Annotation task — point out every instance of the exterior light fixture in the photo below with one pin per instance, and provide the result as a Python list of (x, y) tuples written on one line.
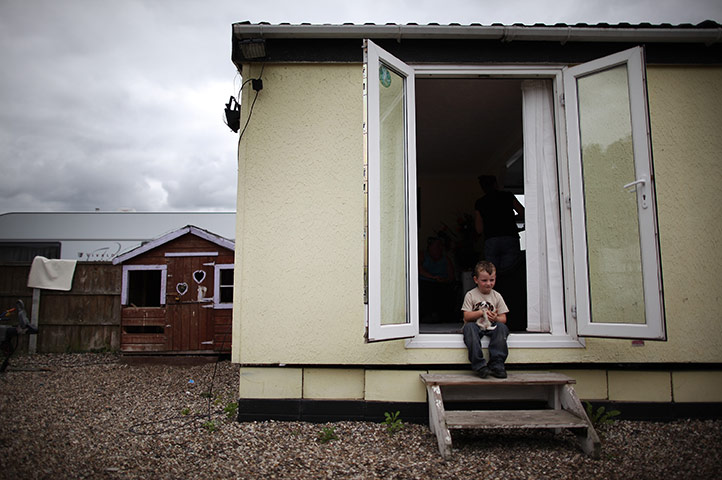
[(253, 47)]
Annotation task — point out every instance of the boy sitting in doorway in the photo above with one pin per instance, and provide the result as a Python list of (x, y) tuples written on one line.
[(484, 313)]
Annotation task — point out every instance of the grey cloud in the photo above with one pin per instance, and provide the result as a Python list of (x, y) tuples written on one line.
[(119, 104)]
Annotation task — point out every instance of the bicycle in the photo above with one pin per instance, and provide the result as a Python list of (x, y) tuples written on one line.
[(10, 335)]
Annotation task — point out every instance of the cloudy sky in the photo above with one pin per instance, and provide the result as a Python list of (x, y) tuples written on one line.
[(118, 104)]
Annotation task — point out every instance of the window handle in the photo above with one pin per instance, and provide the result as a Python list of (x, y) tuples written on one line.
[(643, 182)]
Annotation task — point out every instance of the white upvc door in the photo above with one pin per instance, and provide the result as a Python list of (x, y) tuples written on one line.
[(617, 273), (614, 223), (392, 310)]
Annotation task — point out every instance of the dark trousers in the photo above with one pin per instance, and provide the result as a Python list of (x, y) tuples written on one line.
[(498, 350)]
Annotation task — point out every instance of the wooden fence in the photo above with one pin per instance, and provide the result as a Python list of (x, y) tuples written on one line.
[(85, 318)]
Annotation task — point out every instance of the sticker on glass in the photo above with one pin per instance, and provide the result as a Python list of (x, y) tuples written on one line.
[(384, 76)]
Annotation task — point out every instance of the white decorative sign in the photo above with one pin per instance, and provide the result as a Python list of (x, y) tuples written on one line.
[(199, 276)]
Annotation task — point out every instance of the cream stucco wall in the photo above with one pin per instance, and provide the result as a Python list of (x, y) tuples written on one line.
[(299, 241)]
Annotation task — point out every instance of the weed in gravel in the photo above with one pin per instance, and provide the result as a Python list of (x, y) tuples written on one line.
[(210, 425), (600, 416), (393, 422), (231, 410), (327, 434), (186, 411)]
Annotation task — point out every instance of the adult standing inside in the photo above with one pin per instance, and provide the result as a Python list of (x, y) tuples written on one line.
[(496, 215)]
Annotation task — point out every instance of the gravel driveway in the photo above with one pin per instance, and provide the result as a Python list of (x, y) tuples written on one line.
[(93, 416)]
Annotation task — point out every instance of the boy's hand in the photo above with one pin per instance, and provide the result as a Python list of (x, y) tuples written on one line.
[(491, 315)]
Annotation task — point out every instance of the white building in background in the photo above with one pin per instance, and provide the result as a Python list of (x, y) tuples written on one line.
[(96, 236)]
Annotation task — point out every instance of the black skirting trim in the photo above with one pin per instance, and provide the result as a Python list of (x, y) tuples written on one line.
[(659, 366), (320, 411)]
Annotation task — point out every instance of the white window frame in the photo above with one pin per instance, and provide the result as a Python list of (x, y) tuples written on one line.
[(163, 281), (563, 332), (376, 331), (217, 286)]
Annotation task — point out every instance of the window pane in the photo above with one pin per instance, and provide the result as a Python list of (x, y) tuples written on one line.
[(394, 282), (226, 276), (226, 295), (144, 288), (613, 241)]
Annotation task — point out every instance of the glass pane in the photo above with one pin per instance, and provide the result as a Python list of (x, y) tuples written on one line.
[(226, 295), (226, 276), (613, 241), (394, 287), (144, 288)]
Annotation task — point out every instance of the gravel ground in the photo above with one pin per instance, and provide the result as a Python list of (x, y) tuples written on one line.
[(92, 416)]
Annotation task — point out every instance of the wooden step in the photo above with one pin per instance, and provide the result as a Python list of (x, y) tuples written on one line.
[(545, 378), (484, 419), (564, 410)]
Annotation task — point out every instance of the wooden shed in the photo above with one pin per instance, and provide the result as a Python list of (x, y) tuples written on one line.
[(177, 294)]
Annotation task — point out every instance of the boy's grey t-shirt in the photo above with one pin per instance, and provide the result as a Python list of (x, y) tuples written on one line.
[(474, 301)]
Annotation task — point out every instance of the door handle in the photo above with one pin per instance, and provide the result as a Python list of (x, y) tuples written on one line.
[(643, 182)]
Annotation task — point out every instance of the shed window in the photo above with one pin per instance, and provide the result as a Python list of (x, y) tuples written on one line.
[(223, 296), (144, 286)]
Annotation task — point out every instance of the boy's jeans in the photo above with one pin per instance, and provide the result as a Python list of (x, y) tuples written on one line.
[(498, 350)]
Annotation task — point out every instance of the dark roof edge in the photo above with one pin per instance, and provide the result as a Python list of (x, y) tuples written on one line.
[(707, 32)]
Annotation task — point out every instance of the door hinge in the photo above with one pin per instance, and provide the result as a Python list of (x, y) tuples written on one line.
[(574, 311), (568, 202), (561, 99)]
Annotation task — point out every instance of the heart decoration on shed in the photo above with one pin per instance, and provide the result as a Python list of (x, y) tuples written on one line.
[(181, 288), (199, 276)]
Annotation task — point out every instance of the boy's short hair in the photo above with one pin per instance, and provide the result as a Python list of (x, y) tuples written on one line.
[(484, 266)]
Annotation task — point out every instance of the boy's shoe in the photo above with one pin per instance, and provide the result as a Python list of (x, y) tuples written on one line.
[(483, 372), (498, 371)]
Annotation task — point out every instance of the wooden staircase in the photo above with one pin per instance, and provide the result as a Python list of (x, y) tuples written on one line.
[(563, 410)]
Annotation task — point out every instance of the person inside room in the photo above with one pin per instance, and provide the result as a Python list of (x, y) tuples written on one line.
[(496, 217), (436, 284)]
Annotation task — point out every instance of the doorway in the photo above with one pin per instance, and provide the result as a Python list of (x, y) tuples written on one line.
[(466, 127)]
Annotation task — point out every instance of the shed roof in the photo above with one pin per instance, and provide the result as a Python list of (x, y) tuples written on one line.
[(193, 230)]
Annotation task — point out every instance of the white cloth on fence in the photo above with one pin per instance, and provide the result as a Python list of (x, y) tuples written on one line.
[(51, 274)]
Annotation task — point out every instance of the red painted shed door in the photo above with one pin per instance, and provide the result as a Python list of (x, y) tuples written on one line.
[(189, 304)]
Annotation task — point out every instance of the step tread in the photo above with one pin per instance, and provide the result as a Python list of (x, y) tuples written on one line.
[(512, 379), (513, 419)]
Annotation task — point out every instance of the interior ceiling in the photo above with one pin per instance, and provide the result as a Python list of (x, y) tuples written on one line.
[(470, 126)]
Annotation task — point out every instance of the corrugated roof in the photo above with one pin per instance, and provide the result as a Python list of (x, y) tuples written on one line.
[(707, 32), (704, 24)]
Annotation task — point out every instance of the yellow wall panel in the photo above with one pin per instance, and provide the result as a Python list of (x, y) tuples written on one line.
[(697, 386), (395, 386), (591, 384), (270, 383), (640, 386), (332, 383)]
